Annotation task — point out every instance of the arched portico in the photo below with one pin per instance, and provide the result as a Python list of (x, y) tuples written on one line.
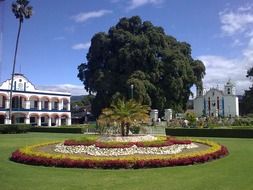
[(19, 117), (2, 118), (45, 103), (19, 102), (65, 104), (45, 120), (4, 101), (55, 120), (34, 119), (65, 119), (34, 103), (55, 103)]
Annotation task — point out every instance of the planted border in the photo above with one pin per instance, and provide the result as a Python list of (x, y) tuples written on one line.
[(31, 155), (167, 141), (228, 133)]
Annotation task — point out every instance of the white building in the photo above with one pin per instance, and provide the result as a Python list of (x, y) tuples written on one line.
[(216, 102), (33, 106)]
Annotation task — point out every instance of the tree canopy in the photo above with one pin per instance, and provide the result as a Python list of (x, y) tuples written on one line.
[(137, 53), (247, 100)]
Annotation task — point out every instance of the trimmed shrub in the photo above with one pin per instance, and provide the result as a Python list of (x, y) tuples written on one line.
[(58, 129), (230, 133), (15, 128), (135, 129)]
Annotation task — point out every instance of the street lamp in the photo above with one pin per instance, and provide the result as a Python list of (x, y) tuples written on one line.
[(132, 92)]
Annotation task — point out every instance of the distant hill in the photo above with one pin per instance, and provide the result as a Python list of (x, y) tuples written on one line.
[(76, 98)]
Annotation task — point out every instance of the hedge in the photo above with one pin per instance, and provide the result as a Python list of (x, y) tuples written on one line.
[(230, 133), (14, 128), (58, 129)]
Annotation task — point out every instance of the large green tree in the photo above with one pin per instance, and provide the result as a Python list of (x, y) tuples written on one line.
[(247, 100), (137, 53)]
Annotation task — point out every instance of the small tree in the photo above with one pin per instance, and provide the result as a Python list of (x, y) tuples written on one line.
[(191, 117), (125, 113)]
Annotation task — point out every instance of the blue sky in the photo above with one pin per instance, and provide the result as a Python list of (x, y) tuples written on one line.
[(57, 37)]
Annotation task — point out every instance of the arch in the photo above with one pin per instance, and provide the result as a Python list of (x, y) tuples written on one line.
[(2, 119), (44, 118), (34, 114), (64, 99), (19, 102), (3, 98), (65, 103), (3, 94), (64, 118), (44, 102), (20, 95), (64, 115), (18, 117), (55, 98), (32, 97), (3, 113), (34, 119), (54, 119), (55, 103), (34, 102), (44, 98)]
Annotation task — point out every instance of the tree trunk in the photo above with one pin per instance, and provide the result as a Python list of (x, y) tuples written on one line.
[(127, 129), (13, 68), (122, 129)]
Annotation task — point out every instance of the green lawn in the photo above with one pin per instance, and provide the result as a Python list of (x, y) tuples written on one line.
[(233, 172)]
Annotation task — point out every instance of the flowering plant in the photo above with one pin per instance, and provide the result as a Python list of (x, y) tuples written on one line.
[(35, 156)]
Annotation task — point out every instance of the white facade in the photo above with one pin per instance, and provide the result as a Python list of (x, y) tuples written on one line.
[(32, 106), (215, 102)]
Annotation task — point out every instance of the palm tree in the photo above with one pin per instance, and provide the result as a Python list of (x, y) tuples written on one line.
[(125, 114), (21, 11)]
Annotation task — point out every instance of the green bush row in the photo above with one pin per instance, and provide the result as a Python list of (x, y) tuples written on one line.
[(58, 129), (14, 128), (243, 122), (230, 133)]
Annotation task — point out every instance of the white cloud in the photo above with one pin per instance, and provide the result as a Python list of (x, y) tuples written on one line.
[(248, 54), (238, 21), (238, 25), (73, 89), (82, 17), (59, 38), (220, 69), (81, 46), (133, 4)]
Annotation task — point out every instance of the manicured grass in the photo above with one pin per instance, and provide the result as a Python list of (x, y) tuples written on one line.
[(232, 172)]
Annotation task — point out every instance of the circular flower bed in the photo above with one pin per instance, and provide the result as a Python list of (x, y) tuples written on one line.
[(97, 153)]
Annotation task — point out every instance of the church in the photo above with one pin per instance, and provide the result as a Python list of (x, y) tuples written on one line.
[(215, 102), (33, 106)]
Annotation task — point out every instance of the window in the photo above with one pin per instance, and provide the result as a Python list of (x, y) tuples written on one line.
[(218, 102), (229, 91), (35, 104), (32, 120)]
